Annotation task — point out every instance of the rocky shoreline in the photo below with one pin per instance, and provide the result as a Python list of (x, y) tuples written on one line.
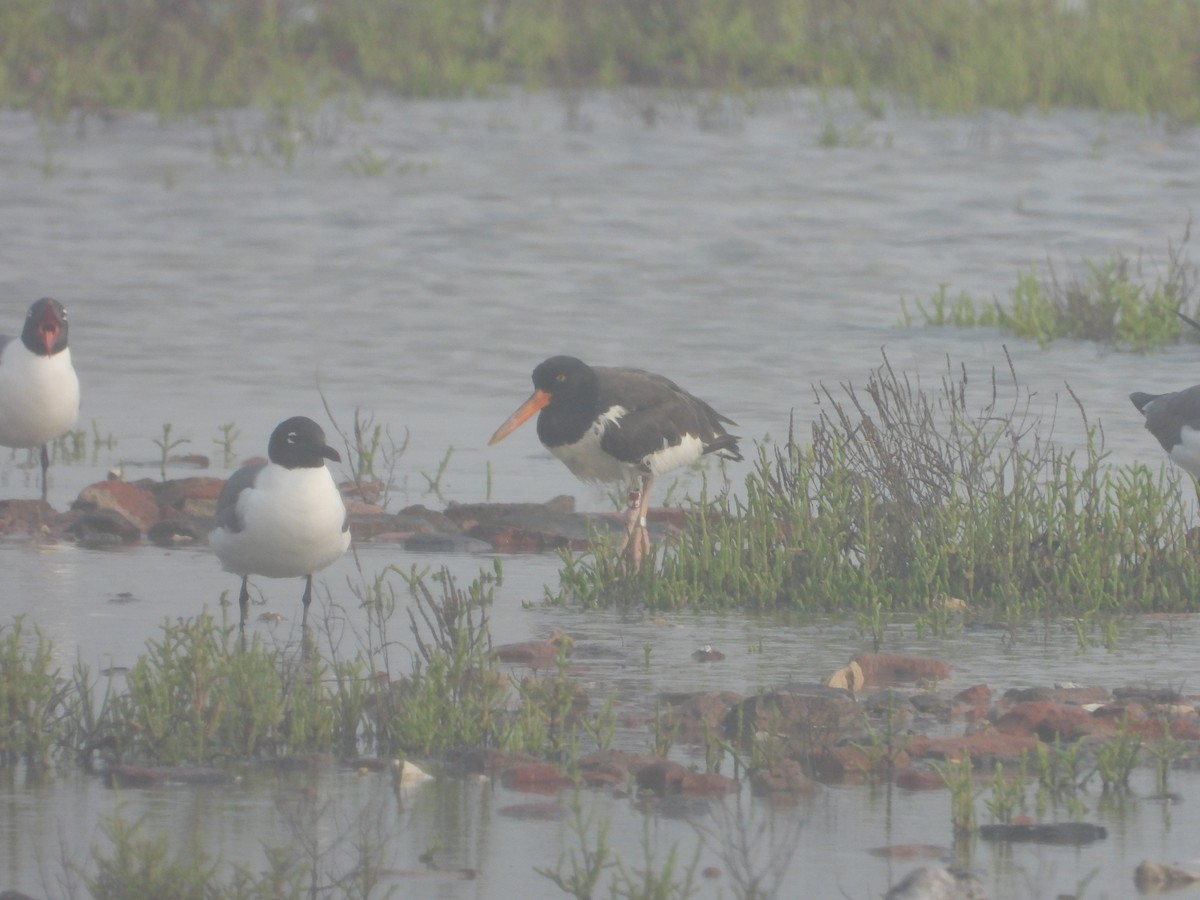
[(180, 512)]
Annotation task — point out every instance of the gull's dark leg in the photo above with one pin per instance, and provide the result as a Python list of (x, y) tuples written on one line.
[(244, 599), (306, 599), (45, 466)]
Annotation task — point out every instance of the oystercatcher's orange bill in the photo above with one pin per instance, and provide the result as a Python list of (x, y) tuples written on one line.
[(535, 403)]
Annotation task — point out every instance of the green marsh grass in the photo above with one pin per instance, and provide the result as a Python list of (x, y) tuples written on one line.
[(201, 695), (1119, 302), (92, 56), (907, 494), (32, 697)]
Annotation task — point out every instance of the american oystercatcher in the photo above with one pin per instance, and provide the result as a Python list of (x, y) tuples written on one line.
[(39, 390), (284, 518), (1174, 419), (617, 424)]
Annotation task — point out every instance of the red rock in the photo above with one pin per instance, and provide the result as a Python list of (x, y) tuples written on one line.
[(1048, 720), (985, 744), (894, 668), (919, 780), (544, 812), (534, 777), (706, 783), (975, 695), (26, 516), (617, 761), (131, 502), (509, 539), (785, 777), (535, 654)]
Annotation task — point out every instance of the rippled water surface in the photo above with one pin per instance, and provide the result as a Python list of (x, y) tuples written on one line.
[(417, 259)]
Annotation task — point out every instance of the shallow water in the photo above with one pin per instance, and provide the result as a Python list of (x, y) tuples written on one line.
[(210, 282)]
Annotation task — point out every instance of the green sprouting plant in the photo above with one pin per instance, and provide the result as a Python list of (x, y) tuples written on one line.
[(367, 163), (372, 453), (101, 441), (1059, 775), (961, 312), (1007, 792), (664, 732), (196, 696), (32, 696), (70, 447), (1111, 301), (454, 696), (884, 744), (578, 872), (1117, 757), (434, 484), (224, 443), (141, 867), (656, 880), (958, 775), (1164, 752), (165, 445)]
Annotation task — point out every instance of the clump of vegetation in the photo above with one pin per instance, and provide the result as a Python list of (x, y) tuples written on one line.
[(959, 55), (1113, 301), (907, 495), (203, 695)]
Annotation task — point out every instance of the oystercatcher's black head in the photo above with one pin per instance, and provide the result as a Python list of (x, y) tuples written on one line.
[(45, 331), (299, 443), (560, 381), (566, 379)]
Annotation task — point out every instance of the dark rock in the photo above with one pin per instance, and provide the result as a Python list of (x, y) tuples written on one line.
[(401, 526), (176, 532), (530, 527), (697, 716), (103, 528), (811, 715), (147, 776), (662, 776), (487, 761), (1074, 833), (195, 496), (1148, 696), (446, 543)]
